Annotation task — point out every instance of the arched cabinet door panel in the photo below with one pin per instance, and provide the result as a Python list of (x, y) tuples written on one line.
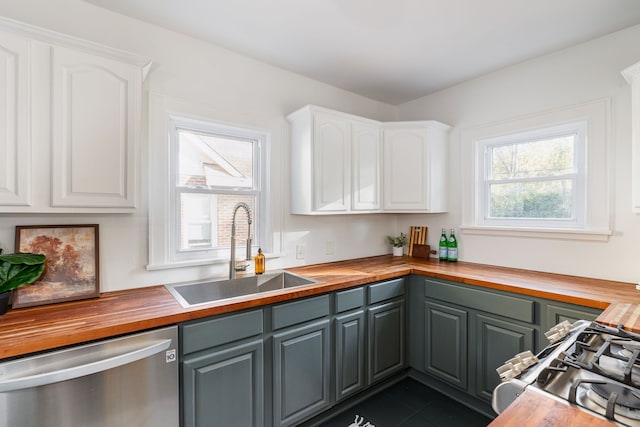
[(95, 130), (15, 141)]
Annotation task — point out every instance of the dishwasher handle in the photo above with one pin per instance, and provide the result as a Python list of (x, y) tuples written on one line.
[(29, 381)]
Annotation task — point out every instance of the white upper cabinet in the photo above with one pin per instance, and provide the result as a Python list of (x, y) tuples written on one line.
[(415, 167), (15, 142), (342, 163), (366, 166), (95, 130), (335, 163), (330, 163), (632, 74), (72, 123)]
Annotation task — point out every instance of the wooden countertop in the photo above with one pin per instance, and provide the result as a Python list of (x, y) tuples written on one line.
[(532, 409), (29, 330)]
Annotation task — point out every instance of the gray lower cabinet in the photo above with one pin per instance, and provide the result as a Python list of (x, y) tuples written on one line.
[(459, 334), (301, 359), (370, 336), (445, 343), (222, 371), (386, 340), (497, 341), (301, 372), (386, 331), (285, 363), (349, 354), (225, 387), (282, 364)]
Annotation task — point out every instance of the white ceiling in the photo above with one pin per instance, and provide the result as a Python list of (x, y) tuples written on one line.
[(388, 50)]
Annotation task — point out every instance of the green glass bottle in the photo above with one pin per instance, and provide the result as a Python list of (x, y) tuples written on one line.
[(452, 247), (443, 249)]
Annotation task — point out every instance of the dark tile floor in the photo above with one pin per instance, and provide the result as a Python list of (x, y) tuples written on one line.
[(410, 404)]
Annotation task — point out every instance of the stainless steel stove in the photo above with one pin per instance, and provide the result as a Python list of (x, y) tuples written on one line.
[(591, 366)]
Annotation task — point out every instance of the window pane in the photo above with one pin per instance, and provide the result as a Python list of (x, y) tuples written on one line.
[(208, 161), (196, 213), (542, 199), (206, 220), (548, 157)]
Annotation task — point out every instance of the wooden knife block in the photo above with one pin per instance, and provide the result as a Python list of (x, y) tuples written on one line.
[(417, 237)]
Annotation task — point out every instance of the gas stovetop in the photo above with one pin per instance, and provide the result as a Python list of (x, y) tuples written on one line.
[(594, 367)]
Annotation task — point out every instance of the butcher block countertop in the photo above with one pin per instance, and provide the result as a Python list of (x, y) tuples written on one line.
[(532, 409), (34, 329)]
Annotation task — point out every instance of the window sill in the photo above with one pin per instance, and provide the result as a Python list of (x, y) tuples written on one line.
[(199, 262), (539, 233)]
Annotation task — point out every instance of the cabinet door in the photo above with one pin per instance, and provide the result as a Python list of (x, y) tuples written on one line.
[(95, 130), (301, 364), (365, 167), (15, 143), (497, 342), (557, 313), (406, 180), (446, 343), (331, 184), (224, 387), (349, 354), (386, 340)]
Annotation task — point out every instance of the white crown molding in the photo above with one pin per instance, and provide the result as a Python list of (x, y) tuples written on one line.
[(52, 37)]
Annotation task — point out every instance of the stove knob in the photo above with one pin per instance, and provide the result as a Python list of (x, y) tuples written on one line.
[(507, 372), (558, 332), (527, 358)]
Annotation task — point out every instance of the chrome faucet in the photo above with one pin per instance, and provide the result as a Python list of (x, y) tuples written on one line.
[(232, 262)]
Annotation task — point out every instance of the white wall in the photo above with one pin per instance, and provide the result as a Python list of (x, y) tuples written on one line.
[(241, 90), (583, 73)]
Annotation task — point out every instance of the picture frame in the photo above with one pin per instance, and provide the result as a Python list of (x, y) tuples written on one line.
[(72, 263)]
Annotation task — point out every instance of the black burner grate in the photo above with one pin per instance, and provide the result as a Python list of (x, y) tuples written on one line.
[(598, 344)]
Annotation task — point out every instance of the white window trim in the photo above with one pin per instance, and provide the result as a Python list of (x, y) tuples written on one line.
[(211, 127), (596, 223), (161, 252), (482, 166)]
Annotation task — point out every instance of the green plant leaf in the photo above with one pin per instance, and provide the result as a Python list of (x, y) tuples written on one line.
[(20, 269), (23, 258)]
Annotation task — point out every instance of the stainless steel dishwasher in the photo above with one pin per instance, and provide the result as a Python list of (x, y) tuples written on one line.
[(131, 381)]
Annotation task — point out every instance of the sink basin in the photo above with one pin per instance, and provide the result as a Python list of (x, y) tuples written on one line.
[(190, 294)]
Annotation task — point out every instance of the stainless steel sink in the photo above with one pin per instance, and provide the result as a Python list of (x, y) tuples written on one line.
[(190, 294)]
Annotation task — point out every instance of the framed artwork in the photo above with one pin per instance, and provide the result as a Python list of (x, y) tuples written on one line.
[(71, 266)]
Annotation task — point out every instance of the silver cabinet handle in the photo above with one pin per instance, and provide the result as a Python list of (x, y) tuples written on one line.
[(20, 383)]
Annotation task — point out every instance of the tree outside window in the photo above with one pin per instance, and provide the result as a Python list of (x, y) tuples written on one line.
[(534, 177)]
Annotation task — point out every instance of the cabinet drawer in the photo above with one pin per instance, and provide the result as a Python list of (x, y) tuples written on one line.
[(502, 305), (291, 313), (216, 331), (349, 299), (386, 290)]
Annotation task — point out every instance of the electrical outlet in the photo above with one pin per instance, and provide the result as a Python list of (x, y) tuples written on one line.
[(329, 247), (299, 251)]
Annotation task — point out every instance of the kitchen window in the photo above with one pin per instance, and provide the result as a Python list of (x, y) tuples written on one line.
[(544, 175), (533, 178), (201, 162), (213, 167)]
